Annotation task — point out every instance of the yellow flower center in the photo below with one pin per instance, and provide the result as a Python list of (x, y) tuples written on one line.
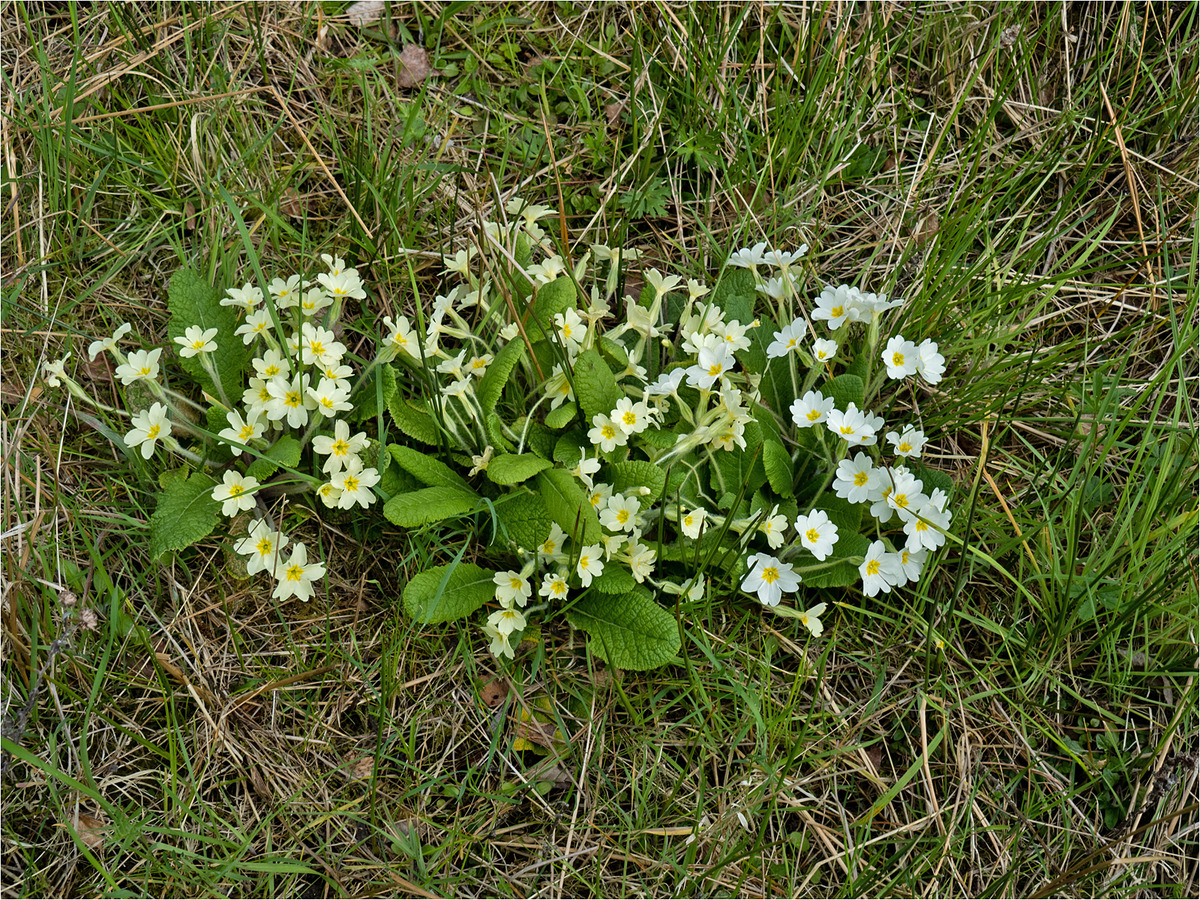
[(846, 429), (340, 448), (264, 546), (897, 359), (873, 567), (351, 483), (515, 584), (236, 490), (813, 415), (622, 516), (770, 575), (629, 418), (152, 432), (902, 501), (905, 447), (294, 572), (860, 478), (715, 369), (246, 433), (583, 562), (144, 370), (813, 535), (316, 347), (608, 432), (292, 399), (837, 312)]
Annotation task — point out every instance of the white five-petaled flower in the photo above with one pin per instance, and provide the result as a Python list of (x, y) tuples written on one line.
[(296, 576), (691, 522), (817, 533), (630, 417), (286, 292), (900, 357), (930, 363), (270, 364), (149, 426), (498, 642), (355, 483), (749, 257), (571, 330), (235, 493), (340, 448), (552, 546), (331, 397), (401, 338), (809, 619), (95, 348), (507, 620), (257, 322), (263, 547), (880, 570), (140, 364), (343, 284), (246, 297), (591, 563), (927, 530), (773, 527), (908, 443), (855, 479), (621, 513), (853, 426), (788, 339), (319, 346), (196, 341), (55, 369), (836, 305), (824, 349), (586, 469), (554, 586), (290, 400), (640, 559), (606, 434), (241, 431), (811, 409), (661, 283), (769, 578), (713, 362), (512, 588)]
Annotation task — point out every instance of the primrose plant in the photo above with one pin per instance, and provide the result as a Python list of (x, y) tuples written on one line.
[(608, 455)]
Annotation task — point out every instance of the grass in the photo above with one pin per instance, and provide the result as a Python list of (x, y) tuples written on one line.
[(1023, 722)]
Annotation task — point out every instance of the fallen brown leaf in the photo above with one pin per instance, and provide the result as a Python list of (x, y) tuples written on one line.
[(92, 831), (494, 692), (364, 12), (414, 66)]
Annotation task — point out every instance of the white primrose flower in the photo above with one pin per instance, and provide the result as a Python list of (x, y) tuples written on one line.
[(460, 262), (900, 357), (509, 331), (927, 531), (257, 322), (512, 588), (809, 619), (476, 366), (817, 533), (749, 257), (140, 364), (297, 575), (241, 431), (782, 259), (630, 417), (554, 586), (331, 397), (773, 527), (559, 388), (498, 642), (691, 522), (599, 494), (906, 496), (344, 284), (911, 563), (853, 426), (734, 335), (453, 365), (700, 325), (638, 319), (355, 483), (824, 350), (507, 620), (854, 480), (811, 409), (836, 305), (263, 547), (314, 300), (340, 448), (880, 570), (930, 363), (769, 578), (95, 348), (788, 338), (546, 271), (196, 341), (696, 289), (907, 443), (666, 384), (585, 470), (329, 494), (620, 514), (286, 293), (590, 563), (235, 493), (606, 434), (149, 426), (712, 366), (776, 288), (661, 283), (640, 559), (55, 369), (401, 338), (319, 346), (613, 543), (255, 397), (246, 297), (290, 400), (270, 364), (552, 546)]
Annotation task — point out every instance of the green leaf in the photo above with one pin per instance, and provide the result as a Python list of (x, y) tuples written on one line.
[(778, 465), (186, 513), (553, 298), (284, 452), (367, 393), (659, 438), (193, 301), (635, 473), (541, 440), (845, 389), (595, 387), (569, 506), (513, 468), (736, 295), (427, 469), (491, 385), (738, 467), (431, 504), (525, 519), (414, 421), (629, 631), (446, 593), (930, 478), (842, 573), (845, 515), (561, 417), (569, 448), (615, 579)]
